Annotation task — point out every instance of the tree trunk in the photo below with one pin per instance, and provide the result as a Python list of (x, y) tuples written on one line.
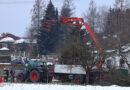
[(87, 77)]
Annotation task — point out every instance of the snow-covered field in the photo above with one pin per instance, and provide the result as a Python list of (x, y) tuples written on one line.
[(8, 86)]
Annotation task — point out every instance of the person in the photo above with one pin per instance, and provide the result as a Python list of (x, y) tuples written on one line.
[(5, 75), (12, 74), (1, 80)]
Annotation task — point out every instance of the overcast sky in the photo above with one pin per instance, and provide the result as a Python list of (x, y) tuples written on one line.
[(15, 17)]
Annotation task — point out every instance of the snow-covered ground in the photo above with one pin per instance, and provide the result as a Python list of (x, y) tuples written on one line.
[(9, 86)]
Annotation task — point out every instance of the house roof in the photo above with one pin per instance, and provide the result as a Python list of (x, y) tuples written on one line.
[(4, 35), (7, 39), (24, 40), (127, 49), (19, 41), (4, 49)]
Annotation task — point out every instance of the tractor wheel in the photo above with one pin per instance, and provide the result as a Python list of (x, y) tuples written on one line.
[(34, 76), (20, 77), (78, 79)]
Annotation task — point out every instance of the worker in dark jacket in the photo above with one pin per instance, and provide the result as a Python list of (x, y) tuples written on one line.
[(12, 74), (5, 75)]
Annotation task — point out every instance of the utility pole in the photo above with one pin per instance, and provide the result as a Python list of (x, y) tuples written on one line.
[(38, 7)]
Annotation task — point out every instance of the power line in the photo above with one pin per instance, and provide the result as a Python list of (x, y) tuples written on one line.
[(17, 2), (24, 2)]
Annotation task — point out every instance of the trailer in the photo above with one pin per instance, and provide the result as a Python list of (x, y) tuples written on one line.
[(74, 73)]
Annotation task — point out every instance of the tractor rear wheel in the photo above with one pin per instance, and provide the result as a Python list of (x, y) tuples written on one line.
[(34, 76), (20, 77)]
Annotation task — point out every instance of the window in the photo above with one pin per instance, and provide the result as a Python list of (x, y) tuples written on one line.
[(109, 63), (4, 45)]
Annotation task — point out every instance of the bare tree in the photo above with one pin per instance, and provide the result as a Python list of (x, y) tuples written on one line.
[(67, 10), (77, 52), (91, 16), (122, 4), (102, 16), (118, 19), (38, 13), (121, 19)]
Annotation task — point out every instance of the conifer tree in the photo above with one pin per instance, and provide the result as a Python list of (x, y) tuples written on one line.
[(48, 40)]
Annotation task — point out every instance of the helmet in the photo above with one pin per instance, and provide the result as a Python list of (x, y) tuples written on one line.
[(5, 68)]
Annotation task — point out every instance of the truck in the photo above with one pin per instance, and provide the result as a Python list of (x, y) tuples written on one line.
[(76, 73)]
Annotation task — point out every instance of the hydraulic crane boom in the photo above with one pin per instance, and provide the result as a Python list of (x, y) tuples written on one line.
[(72, 21)]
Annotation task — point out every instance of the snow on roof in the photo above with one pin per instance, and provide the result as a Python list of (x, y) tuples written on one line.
[(115, 36), (127, 49), (109, 58), (126, 46), (4, 49), (88, 43), (5, 63), (24, 41), (19, 41), (109, 51), (7, 39), (104, 37)]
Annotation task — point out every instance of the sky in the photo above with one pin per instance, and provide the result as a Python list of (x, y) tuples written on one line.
[(15, 15)]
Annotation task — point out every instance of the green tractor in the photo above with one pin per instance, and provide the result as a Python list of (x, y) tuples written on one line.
[(35, 71)]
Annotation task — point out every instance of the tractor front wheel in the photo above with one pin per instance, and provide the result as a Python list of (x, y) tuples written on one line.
[(34, 76)]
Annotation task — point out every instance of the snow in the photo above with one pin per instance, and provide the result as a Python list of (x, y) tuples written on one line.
[(88, 43), (5, 63), (7, 39), (117, 60), (109, 51), (24, 41), (11, 86), (4, 49), (115, 36), (35, 59), (126, 46), (104, 37), (49, 63), (127, 49), (19, 41), (75, 69)]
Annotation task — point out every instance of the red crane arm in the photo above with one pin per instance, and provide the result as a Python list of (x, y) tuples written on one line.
[(72, 21), (94, 38)]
